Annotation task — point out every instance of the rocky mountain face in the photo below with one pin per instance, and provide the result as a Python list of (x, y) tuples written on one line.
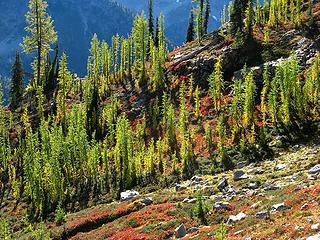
[(198, 60), (177, 15), (75, 22)]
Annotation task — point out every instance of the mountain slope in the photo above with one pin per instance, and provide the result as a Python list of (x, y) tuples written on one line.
[(177, 15), (75, 22)]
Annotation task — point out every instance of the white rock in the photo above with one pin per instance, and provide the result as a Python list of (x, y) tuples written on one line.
[(315, 226), (278, 207), (315, 237), (237, 217), (304, 206), (128, 195), (315, 169), (280, 167)]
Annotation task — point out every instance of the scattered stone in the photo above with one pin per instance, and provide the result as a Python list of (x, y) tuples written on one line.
[(187, 200), (315, 169), (279, 207), (147, 201), (223, 184), (271, 188), (254, 206), (315, 227), (238, 217), (296, 147), (180, 187), (297, 188), (315, 237), (260, 171), (128, 195), (239, 175), (263, 214), (299, 228), (254, 185), (193, 230), (180, 231), (196, 179), (238, 232), (312, 177), (304, 206), (280, 167), (222, 205), (242, 165)]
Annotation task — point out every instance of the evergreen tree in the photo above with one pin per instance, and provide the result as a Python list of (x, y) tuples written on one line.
[(150, 22), (237, 16), (206, 17), (16, 90), (190, 32), (42, 35)]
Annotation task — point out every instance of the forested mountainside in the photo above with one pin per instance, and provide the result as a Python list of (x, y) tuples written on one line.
[(75, 21), (217, 139)]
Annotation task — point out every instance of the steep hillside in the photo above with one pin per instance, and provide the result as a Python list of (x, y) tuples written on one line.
[(217, 139), (75, 22)]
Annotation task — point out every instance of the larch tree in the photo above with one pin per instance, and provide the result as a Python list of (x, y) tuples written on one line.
[(140, 36), (64, 79), (16, 89), (41, 36), (200, 20)]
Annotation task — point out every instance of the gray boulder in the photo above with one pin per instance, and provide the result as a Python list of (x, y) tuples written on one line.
[(180, 231), (193, 230), (315, 169), (180, 187), (222, 205), (222, 185), (239, 175), (147, 201), (263, 214), (279, 207)]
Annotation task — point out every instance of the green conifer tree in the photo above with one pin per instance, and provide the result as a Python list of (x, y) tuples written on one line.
[(16, 89), (42, 35)]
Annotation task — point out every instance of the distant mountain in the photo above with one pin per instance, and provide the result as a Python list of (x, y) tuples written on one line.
[(75, 21), (176, 15)]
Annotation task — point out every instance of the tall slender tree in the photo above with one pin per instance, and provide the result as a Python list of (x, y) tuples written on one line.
[(16, 90), (150, 23), (206, 17), (190, 32), (42, 35), (140, 36)]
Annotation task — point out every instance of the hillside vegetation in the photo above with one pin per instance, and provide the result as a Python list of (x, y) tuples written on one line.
[(214, 140)]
